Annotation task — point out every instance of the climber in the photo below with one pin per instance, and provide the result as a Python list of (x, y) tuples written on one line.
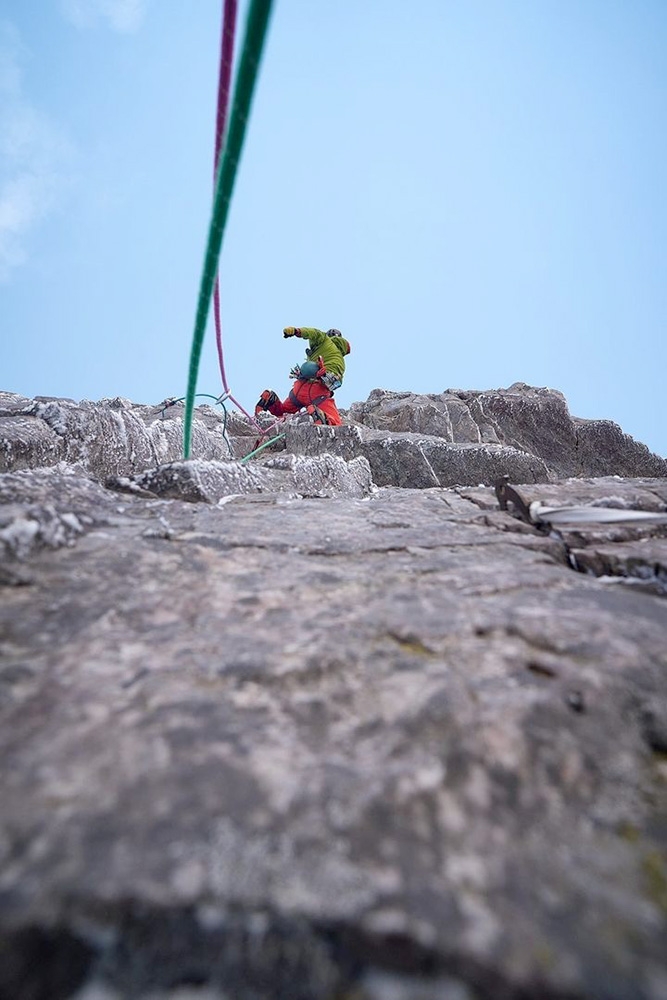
[(317, 378)]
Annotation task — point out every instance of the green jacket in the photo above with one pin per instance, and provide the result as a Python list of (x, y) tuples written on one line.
[(331, 349)]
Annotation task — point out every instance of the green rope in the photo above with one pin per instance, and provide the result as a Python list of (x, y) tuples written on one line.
[(224, 431), (261, 448), (219, 401), (253, 43), (181, 399)]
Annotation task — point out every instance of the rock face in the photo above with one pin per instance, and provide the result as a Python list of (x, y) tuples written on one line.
[(269, 731), (528, 419), (323, 475), (111, 438), (417, 462), (450, 439)]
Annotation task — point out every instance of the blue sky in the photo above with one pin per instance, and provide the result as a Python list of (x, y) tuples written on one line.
[(473, 191)]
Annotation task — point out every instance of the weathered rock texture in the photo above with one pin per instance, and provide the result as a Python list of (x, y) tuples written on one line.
[(314, 740), (532, 420), (450, 439), (415, 461), (112, 437), (322, 475)]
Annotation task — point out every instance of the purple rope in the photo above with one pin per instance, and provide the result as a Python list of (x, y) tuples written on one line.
[(224, 86), (224, 81)]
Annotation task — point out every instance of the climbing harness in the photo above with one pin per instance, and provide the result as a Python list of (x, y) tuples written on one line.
[(314, 402), (253, 44)]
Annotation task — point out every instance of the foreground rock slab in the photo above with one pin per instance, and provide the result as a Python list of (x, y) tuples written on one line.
[(384, 747)]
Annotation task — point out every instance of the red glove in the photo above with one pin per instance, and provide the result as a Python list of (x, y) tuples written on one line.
[(321, 370), (267, 399)]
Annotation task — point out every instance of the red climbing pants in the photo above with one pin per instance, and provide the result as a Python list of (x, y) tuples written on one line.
[(309, 396)]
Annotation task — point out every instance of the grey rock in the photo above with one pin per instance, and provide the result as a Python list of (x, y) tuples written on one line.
[(11, 403), (390, 747), (269, 731), (452, 438), (63, 503), (324, 475), (22, 529), (603, 449), (628, 552), (642, 562), (26, 442), (112, 437), (529, 419), (647, 494), (195, 480), (415, 461)]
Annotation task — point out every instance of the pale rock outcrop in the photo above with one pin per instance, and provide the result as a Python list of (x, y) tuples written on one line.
[(447, 439), (536, 421), (414, 461), (211, 481), (110, 438)]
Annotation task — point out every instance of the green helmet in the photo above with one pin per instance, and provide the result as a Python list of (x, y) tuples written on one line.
[(308, 369)]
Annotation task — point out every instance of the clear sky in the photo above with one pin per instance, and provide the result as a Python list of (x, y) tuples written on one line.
[(473, 191)]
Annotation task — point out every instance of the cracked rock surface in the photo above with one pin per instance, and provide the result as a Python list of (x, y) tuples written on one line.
[(533, 420), (383, 747), (454, 438), (113, 437)]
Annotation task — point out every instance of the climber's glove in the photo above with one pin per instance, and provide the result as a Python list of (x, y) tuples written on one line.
[(291, 331), (265, 401), (321, 369), (295, 372)]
